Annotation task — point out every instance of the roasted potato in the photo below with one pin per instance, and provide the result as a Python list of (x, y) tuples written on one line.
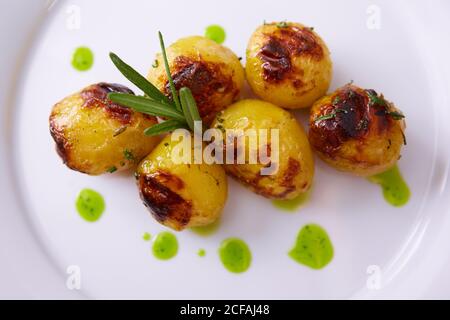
[(295, 165), (212, 72), (288, 64), (181, 195), (94, 135), (357, 131)]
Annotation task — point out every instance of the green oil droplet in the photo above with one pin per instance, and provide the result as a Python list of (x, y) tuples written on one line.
[(90, 205), (235, 255), (207, 230), (201, 253), (294, 204), (313, 247), (215, 33), (165, 246), (82, 59), (146, 236), (395, 190)]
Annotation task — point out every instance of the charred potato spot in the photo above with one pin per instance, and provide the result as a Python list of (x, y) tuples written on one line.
[(356, 130), (97, 96), (295, 163), (212, 72), (166, 205), (349, 119), (279, 49), (289, 66), (293, 169), (95, 136), (267, 187), (205, 79), (175, 192)]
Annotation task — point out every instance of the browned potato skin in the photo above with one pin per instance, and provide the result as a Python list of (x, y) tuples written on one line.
[(363, 138), (288, 64), (95, 136), (181, 195), (296, 162), (212, 72)]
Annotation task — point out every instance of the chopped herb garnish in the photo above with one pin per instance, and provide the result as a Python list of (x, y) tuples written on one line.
[(112, 169), (128, 155), (166, 144), (336, 100), (311, 28), (282, 24), (374, 99), (155, 64), (330, 115), (396, 115), (326, 117)]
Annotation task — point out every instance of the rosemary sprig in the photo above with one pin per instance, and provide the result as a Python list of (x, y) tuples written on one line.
[(169, 75), (139, 81), (145, 105), (163, 127), (181, 113)]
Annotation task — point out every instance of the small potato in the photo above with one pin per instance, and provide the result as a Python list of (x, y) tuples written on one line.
[(288, 64), (357, 131), (181, 195), (295, 164), (212, 72), (94, 135)]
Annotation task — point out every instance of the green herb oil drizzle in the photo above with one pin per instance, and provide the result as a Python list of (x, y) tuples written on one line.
[(82, 59), (395, 190), (215, 33), (90, 205), (235, 255), (165, 246), (294, 204), (313, 247)]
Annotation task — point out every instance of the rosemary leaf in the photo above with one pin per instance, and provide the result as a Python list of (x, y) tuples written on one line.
[(192, 105), (163, 127), (145, 105), (169, 76), (149, 89), (186, 111)]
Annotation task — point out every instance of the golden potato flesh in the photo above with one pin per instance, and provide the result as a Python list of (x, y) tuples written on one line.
[(181, 195), (94, 135), (212, 72), (288, 64), (295, 164), (357, 131)]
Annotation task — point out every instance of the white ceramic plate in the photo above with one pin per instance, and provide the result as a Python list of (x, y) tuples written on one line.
[(41, 234)]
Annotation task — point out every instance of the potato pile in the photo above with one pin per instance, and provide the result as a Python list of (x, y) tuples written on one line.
[(288, 66)]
